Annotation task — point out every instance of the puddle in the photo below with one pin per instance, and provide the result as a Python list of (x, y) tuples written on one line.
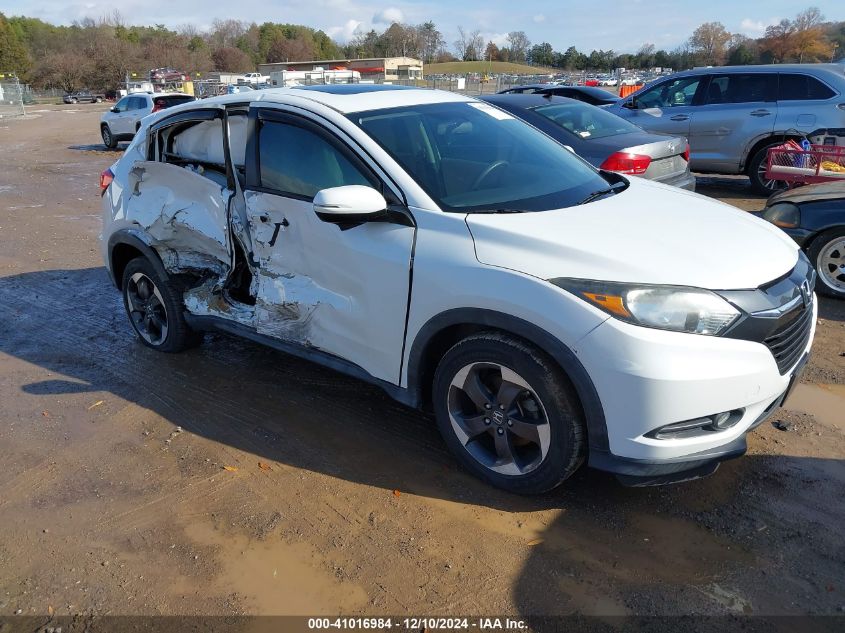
[(824, 402), (275, 577)]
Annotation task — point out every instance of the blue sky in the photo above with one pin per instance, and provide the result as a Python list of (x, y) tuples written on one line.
[(620, 25)]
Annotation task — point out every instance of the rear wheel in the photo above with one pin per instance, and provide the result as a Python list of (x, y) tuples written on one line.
[(508, 413), (827, 253), (108, 138), (757, 173), (155, 309)]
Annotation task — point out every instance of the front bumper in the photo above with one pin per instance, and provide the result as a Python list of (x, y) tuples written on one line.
[(644, 472), (648, 378)]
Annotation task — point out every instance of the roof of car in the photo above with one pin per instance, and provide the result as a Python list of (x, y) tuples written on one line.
[(345, 98), (835, 68), (529, 100)]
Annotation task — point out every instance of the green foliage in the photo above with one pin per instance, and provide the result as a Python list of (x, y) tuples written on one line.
[(13, 53)]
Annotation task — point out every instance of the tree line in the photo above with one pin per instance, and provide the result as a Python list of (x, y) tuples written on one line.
[(99, 54), (806, 38)]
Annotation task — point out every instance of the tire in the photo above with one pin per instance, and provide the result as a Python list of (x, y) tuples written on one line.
[(155, 309), (521, 429), (108, 138), (98, 100), (827, 253), (757, 173)]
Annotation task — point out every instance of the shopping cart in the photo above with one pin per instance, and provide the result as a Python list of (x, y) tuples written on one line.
[(796, 165)]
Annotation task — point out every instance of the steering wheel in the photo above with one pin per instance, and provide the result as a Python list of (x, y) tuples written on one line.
[(487, 171)]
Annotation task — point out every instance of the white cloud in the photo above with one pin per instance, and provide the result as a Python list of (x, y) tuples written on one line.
[(388, 16), (344, 33), (499, 39), (539, 18), (756, 28)]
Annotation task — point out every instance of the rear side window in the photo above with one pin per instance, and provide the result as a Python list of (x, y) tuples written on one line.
[(298, 162), (137, 103), (794, 87), (173, 100), (746, 88)]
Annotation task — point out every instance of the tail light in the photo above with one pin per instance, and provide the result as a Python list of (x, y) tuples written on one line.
[(106, 179), (627, 163), (686, 153)]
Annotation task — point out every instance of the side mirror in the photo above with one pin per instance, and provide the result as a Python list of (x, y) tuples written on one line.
[(631, 104), (113, 109), (350, 204)]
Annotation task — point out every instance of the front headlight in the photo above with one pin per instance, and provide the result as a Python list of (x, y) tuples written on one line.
[(783, 214), (675, 308)]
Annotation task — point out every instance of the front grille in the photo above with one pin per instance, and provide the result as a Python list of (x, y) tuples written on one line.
[(791, 336)]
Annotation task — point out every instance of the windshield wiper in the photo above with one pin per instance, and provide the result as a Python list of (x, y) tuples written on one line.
[(614, 188), (498, 211)]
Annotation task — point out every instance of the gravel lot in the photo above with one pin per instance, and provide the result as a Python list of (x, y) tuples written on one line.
[(232, 479)]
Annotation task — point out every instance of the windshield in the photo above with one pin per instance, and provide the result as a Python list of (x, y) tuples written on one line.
[(472, 157), (586, 122)]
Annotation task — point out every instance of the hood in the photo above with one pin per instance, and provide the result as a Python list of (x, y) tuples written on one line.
[(834, 190), (649, 233)]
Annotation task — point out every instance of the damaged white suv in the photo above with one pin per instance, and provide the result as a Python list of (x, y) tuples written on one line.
[(548, 313)]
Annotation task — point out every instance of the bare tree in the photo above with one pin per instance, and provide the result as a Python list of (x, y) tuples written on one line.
[(709, 41), (461, 43), (298, 49), (518, 45)]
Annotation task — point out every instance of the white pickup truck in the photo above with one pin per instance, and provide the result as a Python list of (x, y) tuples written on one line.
[(254, 78)]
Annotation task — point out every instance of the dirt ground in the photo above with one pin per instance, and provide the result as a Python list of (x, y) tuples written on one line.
[(232, 479)]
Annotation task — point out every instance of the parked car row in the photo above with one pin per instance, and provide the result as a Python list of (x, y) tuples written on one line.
[(550, 314)]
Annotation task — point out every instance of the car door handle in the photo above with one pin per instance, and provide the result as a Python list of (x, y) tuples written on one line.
[(679, 117), (264, 218), (760, 113)]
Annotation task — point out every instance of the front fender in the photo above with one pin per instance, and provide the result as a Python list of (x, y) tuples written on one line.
[(565, 358)]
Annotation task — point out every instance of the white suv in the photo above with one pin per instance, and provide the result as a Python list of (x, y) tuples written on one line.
[(121, 121), (548, 313)]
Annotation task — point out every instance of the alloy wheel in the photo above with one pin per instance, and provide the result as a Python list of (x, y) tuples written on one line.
[(831, 264), (146, 309), (498, 418), (768, 183)]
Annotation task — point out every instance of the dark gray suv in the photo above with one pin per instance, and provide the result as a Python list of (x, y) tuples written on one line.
[(733, 114)]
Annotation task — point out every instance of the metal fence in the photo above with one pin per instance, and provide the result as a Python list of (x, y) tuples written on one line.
[(11, 98)]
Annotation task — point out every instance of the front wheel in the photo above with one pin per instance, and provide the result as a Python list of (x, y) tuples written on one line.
[(757, 173), (155, 308), (508, 413), (827, 253)]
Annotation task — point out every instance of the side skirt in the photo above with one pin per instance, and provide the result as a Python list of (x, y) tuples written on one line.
[(218, 324)]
